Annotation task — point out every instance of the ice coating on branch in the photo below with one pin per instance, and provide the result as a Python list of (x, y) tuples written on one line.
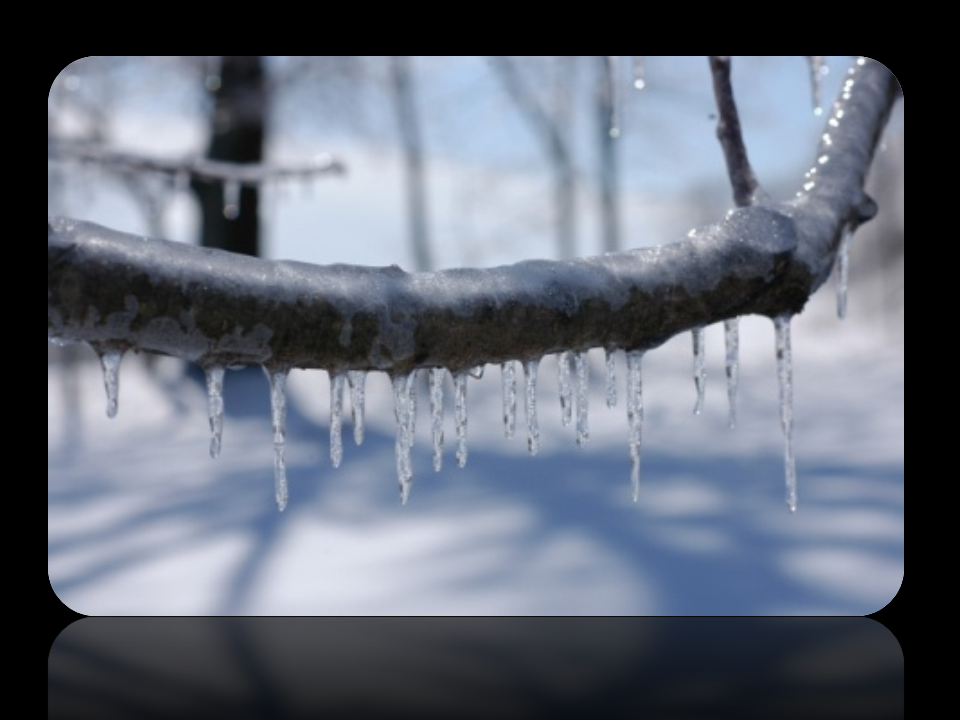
[(638, 81), (278, 413), (731, 334), (611, 378), (214, 376), (404, 410), (460, 415), (436, 415), (508, 377), (357, 380), (337, 383), (110, 363), (635, 415), (231, 199), (843, 271), (533, 430), (785, 378), (699, 373), (583, 389), (566, 392)]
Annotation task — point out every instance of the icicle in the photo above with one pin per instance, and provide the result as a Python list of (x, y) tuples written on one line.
[(731, 334), (638, 82), (785, 376), (402, 385), (337, 382), (436, 415), (843, 265), (583, 373), (699, 373), (566, 393), (508, 375), (817, 71), (110, 362), (214, 375), (533, 431), (477, 372), (278, 410), (635, 415), (613, 61), (231, 199), (357, 379), (611, 379), (460, 415)]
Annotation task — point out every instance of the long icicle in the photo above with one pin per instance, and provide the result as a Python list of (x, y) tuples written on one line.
[(533, 430), (785, 377), (460, 414), (583, 394), (214, 376), (403, 411), (731, 334), (436, 415), (278, 412), (337, 383), (699, 373), (508, 376), (635, 415)]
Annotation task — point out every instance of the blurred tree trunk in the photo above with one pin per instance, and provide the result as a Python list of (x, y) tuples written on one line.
[(236, 135)]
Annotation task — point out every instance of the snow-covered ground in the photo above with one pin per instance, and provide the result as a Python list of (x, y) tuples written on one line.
[(142, 521)]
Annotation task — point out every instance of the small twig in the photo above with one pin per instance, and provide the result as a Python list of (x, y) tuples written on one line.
[(200, 168), (745, 185)]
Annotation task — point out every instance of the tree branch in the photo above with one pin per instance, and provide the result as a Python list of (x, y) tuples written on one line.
[(744, 182), (199, 167), (120, 291)]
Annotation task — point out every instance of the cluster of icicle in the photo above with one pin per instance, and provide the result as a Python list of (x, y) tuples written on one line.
[(573, 382)]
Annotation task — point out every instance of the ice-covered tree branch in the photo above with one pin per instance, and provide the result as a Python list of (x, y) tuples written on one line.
[(200, 168), (120, 291)]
